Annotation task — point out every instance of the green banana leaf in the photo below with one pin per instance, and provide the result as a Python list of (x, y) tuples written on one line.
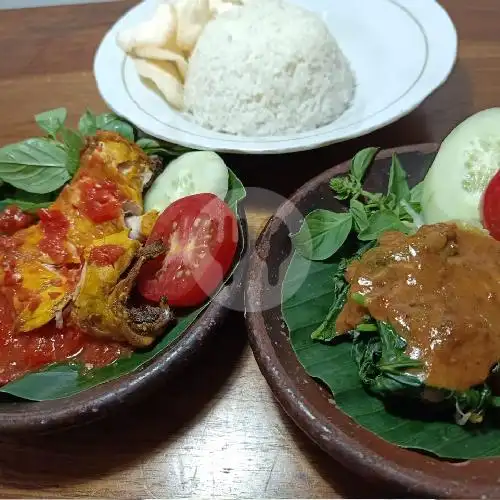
[(307, 294), (61, 380)]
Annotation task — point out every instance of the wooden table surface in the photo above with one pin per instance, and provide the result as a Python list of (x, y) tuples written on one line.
[(216, 431)]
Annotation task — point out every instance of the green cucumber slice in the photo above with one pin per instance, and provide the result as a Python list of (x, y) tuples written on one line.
[(191, 173), (467, 160)]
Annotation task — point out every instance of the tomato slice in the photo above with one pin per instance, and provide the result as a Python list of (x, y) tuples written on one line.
[(200, 233), (490, 207)]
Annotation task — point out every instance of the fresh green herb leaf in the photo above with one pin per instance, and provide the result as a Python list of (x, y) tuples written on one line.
[(25, 206), (153, 147), (359, 215), (398, 182), (87, 124), (111, 122), (146, 143), (345, 187), (34, 165), (72, 139), (28, 202), (52, 121), (74, 143), (362, 161), (322, 234), (236, 191), (380, 222)]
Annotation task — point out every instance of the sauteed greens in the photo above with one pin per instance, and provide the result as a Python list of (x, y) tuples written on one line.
[(372, 374)]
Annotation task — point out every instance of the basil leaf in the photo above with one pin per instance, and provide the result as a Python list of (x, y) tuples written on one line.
[(236, 191), (344, 187), (87, 124), (380, 222), (73, 143), (362, 161), (111, 122), (34, 165), (27, 202), (398, 183), (322, 234), (52, 121), (25, 206), (359, 215), (147, 143), (154, 147)]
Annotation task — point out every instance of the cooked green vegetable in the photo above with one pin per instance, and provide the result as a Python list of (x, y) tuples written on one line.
[(409, 423), (369, 371)]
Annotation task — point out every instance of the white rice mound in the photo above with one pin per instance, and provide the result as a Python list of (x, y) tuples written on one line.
[(267, 68)]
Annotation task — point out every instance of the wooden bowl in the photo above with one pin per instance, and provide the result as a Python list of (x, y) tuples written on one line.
[(18, 417), (307, 402)]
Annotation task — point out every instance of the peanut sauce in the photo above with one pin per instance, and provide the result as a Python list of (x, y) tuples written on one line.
[(440, 290)]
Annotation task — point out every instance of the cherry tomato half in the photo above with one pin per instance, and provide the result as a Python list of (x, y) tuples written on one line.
[(490, 207), (200, 233)]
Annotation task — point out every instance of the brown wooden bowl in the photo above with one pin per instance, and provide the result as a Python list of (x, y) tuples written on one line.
[(18, 417), (307, 402)]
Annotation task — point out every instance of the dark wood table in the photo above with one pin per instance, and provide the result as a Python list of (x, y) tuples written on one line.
[(216, 431)]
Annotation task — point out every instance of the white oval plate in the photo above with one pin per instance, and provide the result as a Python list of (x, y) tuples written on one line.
[(400, 50)]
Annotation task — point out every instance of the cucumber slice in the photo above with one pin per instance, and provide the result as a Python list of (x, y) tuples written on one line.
[(467, 160), (191, 173)]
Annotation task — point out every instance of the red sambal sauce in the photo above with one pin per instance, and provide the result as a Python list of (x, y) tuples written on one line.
[(55, 226), (13, 219), (21, 353), (100, 201), (105, 255)]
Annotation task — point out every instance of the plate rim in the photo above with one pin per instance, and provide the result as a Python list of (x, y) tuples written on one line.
[(288, 144), (18, 417), (341, 447)]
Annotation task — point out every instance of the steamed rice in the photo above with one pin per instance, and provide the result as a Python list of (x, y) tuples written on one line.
[(267, 68)]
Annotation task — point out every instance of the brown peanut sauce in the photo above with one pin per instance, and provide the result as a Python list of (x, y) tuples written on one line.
[(440, 290)]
